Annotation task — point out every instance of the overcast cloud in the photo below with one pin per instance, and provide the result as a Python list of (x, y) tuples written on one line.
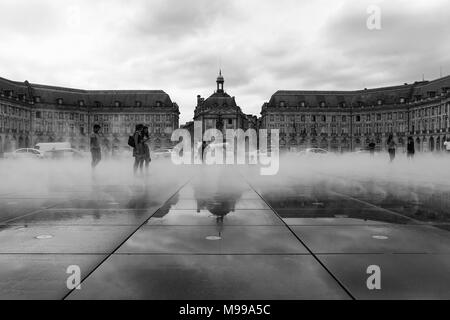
[(262, 46)]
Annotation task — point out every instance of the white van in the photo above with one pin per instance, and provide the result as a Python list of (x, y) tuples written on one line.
[(49, 146)]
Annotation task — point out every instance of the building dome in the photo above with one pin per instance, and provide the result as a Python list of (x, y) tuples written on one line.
[(220, 80), (220, 77)]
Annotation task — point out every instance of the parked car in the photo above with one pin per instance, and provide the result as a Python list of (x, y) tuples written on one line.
[(66, 153), (25, 153), (161, 153), (50, 146), (313, 151), (363, 151)]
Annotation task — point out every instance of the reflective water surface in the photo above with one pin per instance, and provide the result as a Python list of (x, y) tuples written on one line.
[(218, 233)]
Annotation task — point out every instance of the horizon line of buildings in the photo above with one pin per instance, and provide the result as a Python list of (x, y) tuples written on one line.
[(335, 120)]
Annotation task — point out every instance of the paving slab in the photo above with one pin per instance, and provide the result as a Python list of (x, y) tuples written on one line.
[(249, 217), (11, 208), (374, 239), (87, 217), (210, 277), (341, 216), (62, 239), (203, 240), (40, 276), (403, 276)]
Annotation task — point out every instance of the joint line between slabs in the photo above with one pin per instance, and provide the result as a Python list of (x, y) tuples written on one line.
[(307, 248), (126, 239)]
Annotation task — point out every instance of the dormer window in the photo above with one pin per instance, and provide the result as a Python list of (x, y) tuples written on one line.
[(81, 103), (282, 104), (402, 100), (37, 99), (117, 104), (431, 94), (342, 104), (302, 104), (138, 104), (8, 93), (322, 104), (59, 101), (158, 103), (97, 104), (418, 97), (380, 102), (21, 97)]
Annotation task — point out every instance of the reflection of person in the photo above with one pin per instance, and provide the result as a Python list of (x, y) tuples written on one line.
[(391, 147), (138, 150), (447, 145), (95, 146), (146, 137), (410, 149)]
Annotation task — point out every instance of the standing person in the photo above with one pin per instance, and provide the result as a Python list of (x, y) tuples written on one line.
[(371, 148), (204, 145), (391, 147), (410, 149), (146, 137), (95, 146), (138, 149), (447, 145)]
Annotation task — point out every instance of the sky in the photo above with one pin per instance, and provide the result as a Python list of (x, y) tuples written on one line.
[(261, 45)]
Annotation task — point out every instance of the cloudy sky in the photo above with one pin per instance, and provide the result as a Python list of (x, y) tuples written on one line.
[(261, 45)]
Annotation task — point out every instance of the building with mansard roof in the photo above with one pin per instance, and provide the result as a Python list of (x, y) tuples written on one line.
[(350, 120), (33, 113), (220, 110)]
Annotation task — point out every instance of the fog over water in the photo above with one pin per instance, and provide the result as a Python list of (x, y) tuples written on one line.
[(45, 175)]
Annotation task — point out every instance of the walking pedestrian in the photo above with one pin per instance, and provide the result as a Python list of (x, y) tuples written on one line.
[(138, 149), (410, 149), (96, 152), (203, 147), (147, 158), (371, 148), (391, 147)]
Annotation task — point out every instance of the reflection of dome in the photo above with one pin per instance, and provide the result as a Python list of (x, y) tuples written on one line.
[(220, 208)]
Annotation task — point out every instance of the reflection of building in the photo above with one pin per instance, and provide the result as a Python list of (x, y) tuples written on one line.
[(349, 120), (220, 111), (32, 113)]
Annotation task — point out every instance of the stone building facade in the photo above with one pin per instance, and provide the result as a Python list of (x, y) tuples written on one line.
[(349, 120), (33, 113), (220, 111)]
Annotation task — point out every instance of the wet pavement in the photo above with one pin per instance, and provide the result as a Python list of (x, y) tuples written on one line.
[(225, 233)]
